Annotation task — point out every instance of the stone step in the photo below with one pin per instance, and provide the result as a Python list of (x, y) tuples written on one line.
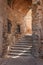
[(20, 48), (18, 54), (24, 42), (28, 50), (21, 45), (15, 52), (25, 39)]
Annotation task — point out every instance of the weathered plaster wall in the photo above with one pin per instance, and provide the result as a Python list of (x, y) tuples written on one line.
[(2, 20)]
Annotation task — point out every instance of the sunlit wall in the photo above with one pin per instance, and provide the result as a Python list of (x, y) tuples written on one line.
[(28, 22)]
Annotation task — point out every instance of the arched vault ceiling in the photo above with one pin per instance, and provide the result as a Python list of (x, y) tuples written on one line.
[(22, 6)]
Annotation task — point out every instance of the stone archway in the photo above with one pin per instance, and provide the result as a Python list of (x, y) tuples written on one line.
[(36, 26)]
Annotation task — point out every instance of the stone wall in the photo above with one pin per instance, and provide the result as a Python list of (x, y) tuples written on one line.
[(36, 25), (2, 22)]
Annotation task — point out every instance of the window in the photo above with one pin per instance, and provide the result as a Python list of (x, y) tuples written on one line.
[(18, 29), (9, 26)]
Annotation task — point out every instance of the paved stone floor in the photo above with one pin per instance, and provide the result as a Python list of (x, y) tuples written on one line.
[(21, 61)]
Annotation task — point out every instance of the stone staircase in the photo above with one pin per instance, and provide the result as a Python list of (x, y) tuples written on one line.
[(21, 49)]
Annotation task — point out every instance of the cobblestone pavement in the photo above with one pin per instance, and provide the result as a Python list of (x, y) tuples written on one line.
[(21, 61)]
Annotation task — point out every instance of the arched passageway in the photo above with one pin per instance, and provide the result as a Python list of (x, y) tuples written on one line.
[(20, 15), (25, 20)]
